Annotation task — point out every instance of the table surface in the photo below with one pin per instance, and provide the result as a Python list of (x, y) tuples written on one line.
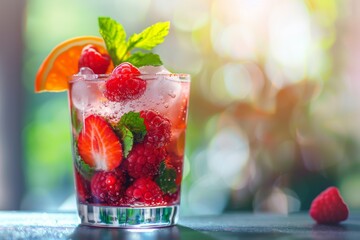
[(32, 225)]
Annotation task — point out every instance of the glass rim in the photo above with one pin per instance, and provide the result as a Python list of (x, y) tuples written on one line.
[(178, 77)]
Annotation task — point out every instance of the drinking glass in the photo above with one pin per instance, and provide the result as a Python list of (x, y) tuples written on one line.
[(128, 154)]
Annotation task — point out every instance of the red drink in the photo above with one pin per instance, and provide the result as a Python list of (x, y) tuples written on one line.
[(128, 151)]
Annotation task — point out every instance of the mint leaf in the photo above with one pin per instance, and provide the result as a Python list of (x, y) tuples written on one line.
[(131, 128), (150, 37), (127, 139), (140, 59), (85, 170), (121, 50), (135, 124), (166, 179), (114, 37)]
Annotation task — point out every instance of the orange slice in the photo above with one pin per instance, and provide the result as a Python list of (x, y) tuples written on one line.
[(62, 62)]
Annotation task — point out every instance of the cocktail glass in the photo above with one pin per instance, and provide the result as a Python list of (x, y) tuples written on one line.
[(142, 188)]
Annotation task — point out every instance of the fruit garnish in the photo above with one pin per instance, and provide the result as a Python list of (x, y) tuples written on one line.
[(167, 178), (98, 145), (158, 128), (90, 57), (108, 187), (144, 190), (136, 49), (124, 84), (132, 129), (144, 160), (62, 62), (329, 207), (66, 58)]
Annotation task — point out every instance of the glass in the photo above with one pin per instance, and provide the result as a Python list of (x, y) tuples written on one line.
[(139, 185)]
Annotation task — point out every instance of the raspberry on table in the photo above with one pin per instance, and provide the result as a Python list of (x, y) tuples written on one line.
[(108, 187), (146, 191), (124, 84), (144, 160), (91, 58), (158, 128), (329, 207)]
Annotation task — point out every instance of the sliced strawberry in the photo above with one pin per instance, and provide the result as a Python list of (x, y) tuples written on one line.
[(98, 144)]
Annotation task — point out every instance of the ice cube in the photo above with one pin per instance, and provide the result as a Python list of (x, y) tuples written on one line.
[(87, 73), (163, 95), (154, 70), (84, 94)]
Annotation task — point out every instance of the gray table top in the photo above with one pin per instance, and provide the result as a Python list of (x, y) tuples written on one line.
[(30, 225)]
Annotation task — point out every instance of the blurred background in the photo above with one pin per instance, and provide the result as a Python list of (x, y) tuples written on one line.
[(274, 107)]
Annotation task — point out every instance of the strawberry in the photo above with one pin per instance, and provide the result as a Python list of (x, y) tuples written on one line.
[(158, 128), (124, 84), (91, 58), (328, 207), (98, 145), (146, 191)]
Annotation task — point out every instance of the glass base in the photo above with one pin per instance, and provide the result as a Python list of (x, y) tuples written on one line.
[(126, 217)]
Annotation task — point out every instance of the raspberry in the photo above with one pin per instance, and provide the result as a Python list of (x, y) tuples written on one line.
[(172, 198), (82, 188), (328, 207), (144, 160), (158, 128), (108, 187), (124, 84), (91, 58), (144, 190)]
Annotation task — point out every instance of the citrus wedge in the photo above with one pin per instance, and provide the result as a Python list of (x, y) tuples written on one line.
[(62, 62)]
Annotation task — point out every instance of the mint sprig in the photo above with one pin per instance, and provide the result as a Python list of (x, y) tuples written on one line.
[(135, 124), (150, 37), (85, 170), (140, 59), (131, 128), (127, 138), (114, 36), (132, 50), (167, 178)]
